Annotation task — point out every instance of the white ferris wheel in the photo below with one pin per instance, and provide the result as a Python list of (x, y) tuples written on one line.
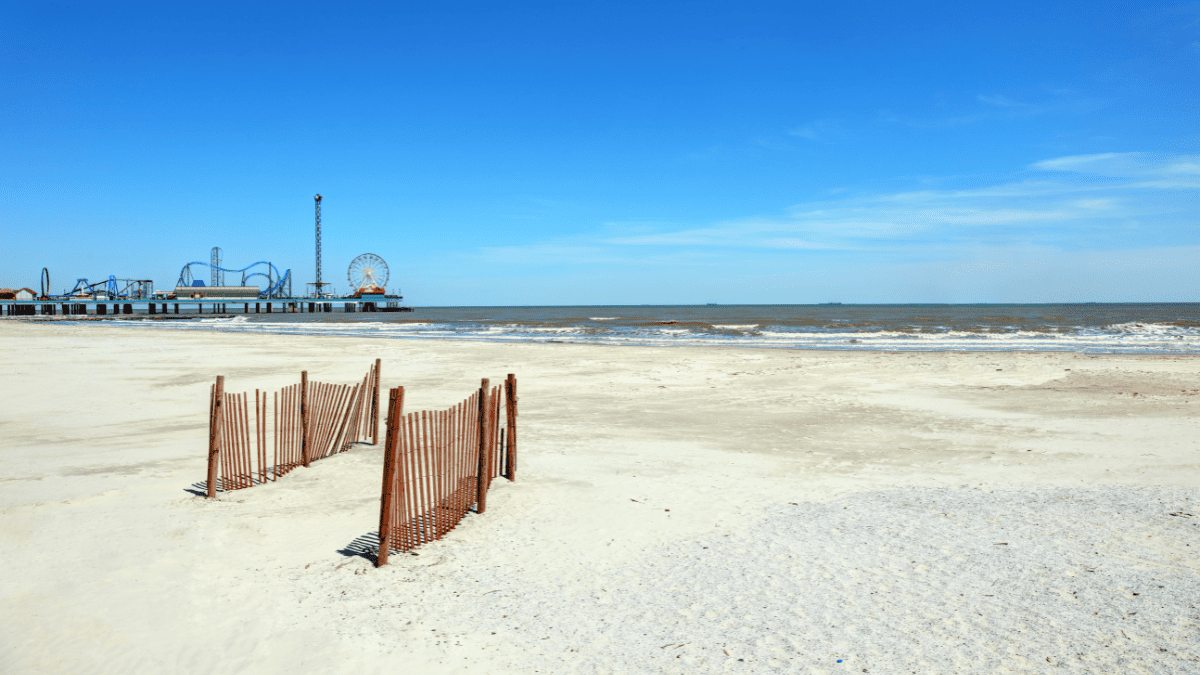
[(368, 273)]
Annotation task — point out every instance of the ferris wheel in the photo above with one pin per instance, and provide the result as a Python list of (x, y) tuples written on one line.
[(368, 273)]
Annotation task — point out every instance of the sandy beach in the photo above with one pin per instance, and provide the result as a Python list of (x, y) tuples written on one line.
[(677, 510)]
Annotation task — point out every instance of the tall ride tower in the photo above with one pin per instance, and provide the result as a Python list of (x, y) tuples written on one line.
[(317, 199), (318, 287)]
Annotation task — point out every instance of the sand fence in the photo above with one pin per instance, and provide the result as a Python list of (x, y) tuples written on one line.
[(312, 420), (438, 464)]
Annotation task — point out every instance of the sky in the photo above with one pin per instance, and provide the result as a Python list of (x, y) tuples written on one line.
[(591, 153)]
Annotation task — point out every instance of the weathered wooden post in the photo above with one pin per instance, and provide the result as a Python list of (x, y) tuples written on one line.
[(482, 478), (260, 423), (304, 417), (375, 406), (510, 405), (390, 464), (277, 435), (214, 431)]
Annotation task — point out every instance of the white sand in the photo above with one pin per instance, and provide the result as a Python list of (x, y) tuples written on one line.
[(822, 506)]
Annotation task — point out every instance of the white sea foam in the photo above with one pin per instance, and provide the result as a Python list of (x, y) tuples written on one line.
[(224, 320), (1119, 338), (603, 318), (1144, 328)]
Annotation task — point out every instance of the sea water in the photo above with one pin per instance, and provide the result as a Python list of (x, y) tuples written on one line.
[(1172, 328)]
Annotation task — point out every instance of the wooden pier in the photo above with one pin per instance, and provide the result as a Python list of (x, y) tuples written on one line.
[(189, 307)]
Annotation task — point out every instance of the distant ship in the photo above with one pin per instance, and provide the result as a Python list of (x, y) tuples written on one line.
[(829, 303)]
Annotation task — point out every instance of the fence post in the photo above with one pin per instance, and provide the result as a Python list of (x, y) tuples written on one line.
[(510, 405), (391, 443), (353, 402), (214, 443), (260, 434), (375, 407), (304, 417), (481, 481)]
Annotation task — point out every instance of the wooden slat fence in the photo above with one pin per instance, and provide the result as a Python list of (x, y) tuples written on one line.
[(300, 424), (439, 464)]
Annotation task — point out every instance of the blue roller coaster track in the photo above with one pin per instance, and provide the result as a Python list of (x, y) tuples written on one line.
[(111, 289), (278, 285)]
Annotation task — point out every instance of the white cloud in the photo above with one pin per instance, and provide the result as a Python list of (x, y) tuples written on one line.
[(805, 132), (1086, 227), (1050, 209), (821, 131), (1061, 213), (999, 100), (995, 107), (1125, 164), (1100, 204)]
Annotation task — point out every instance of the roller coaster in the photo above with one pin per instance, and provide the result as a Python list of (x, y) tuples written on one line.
[(278, 285), (110, 289)]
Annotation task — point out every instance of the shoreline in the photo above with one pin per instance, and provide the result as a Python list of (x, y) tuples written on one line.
[(297, 329)]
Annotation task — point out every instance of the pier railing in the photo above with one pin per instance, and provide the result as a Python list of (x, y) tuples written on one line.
[(439, 464), (312, 420)]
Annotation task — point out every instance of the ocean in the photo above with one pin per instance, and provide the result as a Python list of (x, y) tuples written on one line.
[(1165, 328)]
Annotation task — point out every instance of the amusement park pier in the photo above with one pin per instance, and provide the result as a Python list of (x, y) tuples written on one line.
[(191, 296), (189, 307)]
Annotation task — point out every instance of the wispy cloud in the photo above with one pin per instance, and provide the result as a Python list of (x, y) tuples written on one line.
[(1066, 230), (1148, 191), (993, 107), (1104, 201), (821, 131), (1125, 165), (1000, 100)]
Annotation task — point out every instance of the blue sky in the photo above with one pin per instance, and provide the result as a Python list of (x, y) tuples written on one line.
[(504, 153)]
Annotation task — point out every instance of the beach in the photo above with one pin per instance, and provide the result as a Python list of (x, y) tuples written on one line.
[(676, 509)]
